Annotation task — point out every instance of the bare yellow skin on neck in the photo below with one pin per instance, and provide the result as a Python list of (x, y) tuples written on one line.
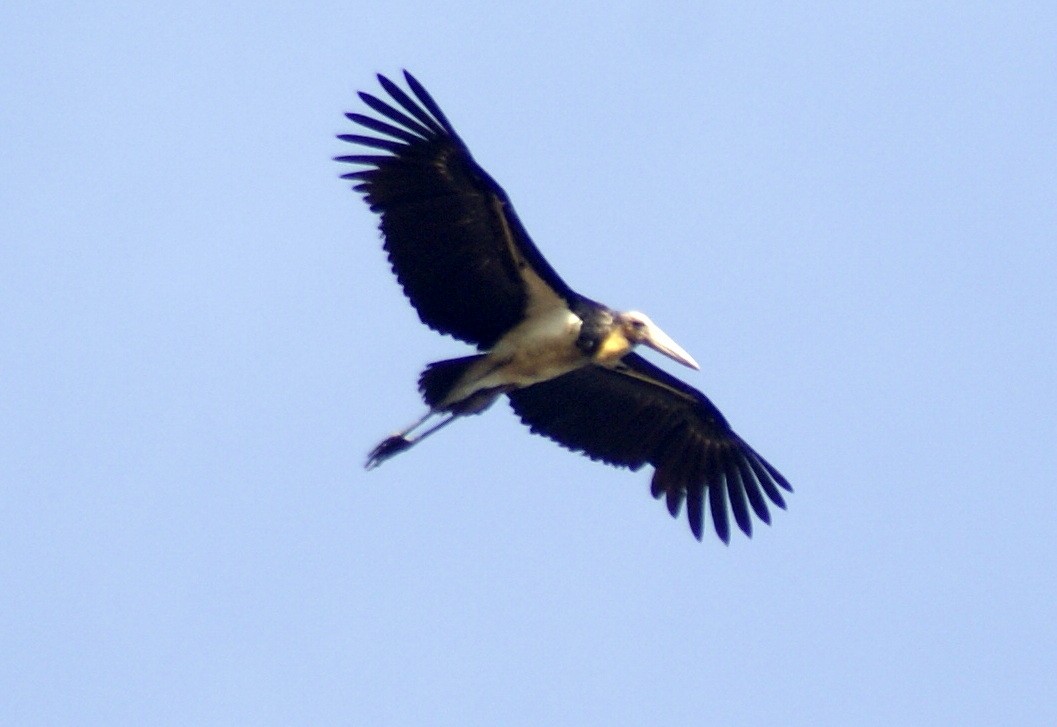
[(613, 347)]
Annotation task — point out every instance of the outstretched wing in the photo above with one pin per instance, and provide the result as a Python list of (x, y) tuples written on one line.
[(454, 241), (634, 414)]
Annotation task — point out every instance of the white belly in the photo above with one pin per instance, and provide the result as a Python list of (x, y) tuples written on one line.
[(541, 348)]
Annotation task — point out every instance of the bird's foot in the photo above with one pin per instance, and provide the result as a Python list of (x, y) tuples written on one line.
[(388, 447)]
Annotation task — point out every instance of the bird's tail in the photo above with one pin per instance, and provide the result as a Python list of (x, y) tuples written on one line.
[(441, 376)]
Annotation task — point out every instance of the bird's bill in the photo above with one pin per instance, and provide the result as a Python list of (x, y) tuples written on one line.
[(661, 342)]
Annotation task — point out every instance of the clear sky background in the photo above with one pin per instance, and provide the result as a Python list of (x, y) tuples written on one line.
[(845, 213)]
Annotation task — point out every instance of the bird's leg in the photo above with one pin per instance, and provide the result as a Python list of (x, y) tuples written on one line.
[(397, 443), (402, 440)]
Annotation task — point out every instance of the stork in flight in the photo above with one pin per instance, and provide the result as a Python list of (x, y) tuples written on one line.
[(565, 362)]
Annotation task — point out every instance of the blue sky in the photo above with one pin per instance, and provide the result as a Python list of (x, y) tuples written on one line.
[(846, 214)]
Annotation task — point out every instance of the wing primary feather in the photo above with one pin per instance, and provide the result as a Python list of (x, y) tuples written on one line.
[(393, 147), (656, 486), (752, 490), (382, 128), (674, 500), (775, 474), (372, 159), (764, 478), (718, 504), (736, 493), (393, 115), (684, 465), (691, 477), (431, 105), (695, 508), (409, 105)]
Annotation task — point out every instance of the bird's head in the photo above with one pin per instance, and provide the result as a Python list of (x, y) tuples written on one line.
[(637, 328)]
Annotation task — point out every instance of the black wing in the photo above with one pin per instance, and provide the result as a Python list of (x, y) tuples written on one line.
[(454, 241), (635, 414)]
